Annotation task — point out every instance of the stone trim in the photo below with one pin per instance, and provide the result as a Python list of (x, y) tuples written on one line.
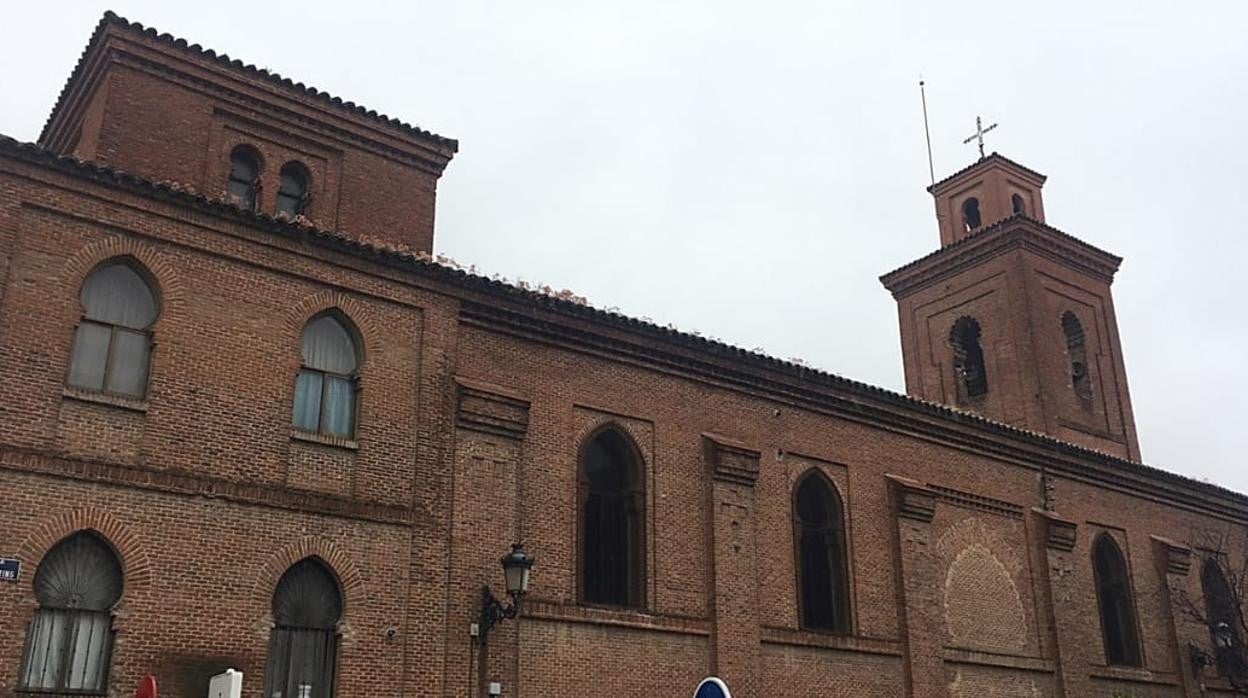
[(731, 461), (490, 409), (1060, 534), (915, 501), (547, 610), (151, 479), (773, 635), (315, 437), (957, 655), (100, 398), (1177, 557)]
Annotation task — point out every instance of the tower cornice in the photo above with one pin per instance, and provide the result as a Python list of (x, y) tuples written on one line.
[(1014, 233)]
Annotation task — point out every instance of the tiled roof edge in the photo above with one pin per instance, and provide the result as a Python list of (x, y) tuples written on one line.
[(113, 19), (989, 229), (993, 156), (37, 154)]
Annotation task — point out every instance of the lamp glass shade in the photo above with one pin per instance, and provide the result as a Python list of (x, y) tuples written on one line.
[(516, 569), (1222, 635)]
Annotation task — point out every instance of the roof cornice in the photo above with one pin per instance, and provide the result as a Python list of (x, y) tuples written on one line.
[(493, 303), (994, 158)]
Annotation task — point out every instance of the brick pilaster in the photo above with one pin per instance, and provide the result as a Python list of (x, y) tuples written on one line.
[(922, 627)]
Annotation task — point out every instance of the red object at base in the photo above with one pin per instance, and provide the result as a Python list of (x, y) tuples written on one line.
[(147, 688)]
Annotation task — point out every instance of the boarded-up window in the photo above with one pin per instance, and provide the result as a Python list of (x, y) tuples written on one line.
[(70, 640), (822, 574), (1113, 592), (612, 495), (1076, 351), (303, 647), (325, 389), (112, 344), (969, 371)]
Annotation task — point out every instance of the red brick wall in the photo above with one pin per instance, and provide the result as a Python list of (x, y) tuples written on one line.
[(207, 498)]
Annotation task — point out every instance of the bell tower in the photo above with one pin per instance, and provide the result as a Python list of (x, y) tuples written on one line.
[(1013, 319)]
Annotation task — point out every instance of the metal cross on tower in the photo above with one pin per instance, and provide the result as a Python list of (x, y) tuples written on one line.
[(979, 135)]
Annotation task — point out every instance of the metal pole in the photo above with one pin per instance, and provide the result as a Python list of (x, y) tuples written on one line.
[(931, 169)]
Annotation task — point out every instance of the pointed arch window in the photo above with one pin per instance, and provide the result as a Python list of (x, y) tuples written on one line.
[(612, 502), (292, 194), (303, 646), (70, 641), (243, 182), (1113, 593), (1076, 352), (971, 218), (969, 371), (325, 389), (1220, 608), (822, 569), (113, 342)]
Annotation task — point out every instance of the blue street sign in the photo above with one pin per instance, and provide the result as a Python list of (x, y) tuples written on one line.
[(10, 569), (712, 688)]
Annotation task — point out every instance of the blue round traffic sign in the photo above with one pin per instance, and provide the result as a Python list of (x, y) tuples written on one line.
[(712, 688)]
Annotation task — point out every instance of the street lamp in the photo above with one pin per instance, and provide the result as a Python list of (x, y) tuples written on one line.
[(1223, 638), (517, 566), (1223, 643)]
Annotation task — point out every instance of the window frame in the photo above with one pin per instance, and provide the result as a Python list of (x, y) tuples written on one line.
[(66, 656), (252, 200), (352, 379), (301, 171), (287, 635), (1133, 644), (846, 606), (638, 494), (961, 357), (147, 334), (1076, 341)]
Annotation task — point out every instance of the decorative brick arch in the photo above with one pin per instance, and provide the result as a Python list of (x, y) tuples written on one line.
[(326, 552), (166, 281), (136, 567), (596, 426), (353, 310)]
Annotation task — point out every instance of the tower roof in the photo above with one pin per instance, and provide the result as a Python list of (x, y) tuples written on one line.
[(112, 21), (993, 158)]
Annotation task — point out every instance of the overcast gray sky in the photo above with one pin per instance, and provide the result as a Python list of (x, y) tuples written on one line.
[(748, 169)]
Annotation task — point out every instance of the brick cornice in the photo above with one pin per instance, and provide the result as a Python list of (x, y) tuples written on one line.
[(1012, 234), (731, 461), (490, 409), (1059, 534), (913, 499), (1176, 556)]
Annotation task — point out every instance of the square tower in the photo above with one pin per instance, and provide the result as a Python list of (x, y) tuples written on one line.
[(1014, 319)]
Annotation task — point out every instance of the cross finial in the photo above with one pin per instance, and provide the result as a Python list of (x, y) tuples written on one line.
[(979, 135)]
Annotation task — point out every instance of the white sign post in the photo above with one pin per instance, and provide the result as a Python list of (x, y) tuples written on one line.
[(226, 685), (712, 688)]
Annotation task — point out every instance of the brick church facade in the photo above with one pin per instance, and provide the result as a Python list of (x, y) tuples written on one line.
[(246, 421)]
